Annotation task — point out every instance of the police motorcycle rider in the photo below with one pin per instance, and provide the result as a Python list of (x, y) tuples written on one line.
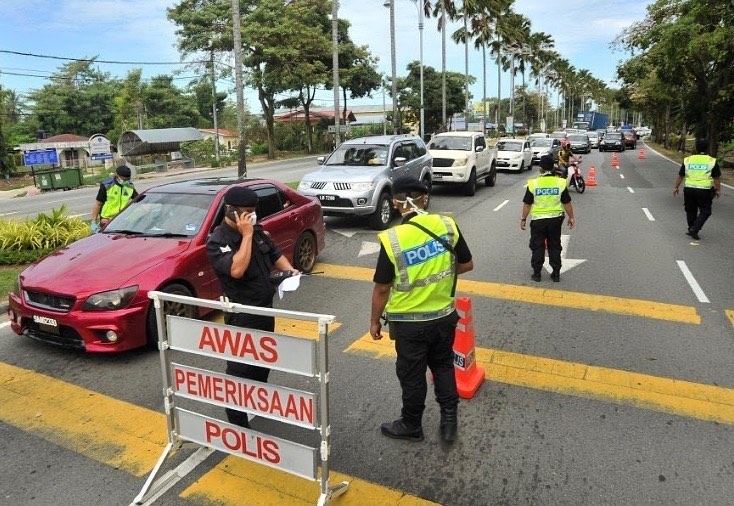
[(113, 196), (415, 283)]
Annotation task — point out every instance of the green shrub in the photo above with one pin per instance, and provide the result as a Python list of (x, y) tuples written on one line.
[(259, 149), (15, 257), (44, 232)]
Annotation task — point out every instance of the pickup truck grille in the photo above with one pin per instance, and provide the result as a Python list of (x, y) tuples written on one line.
[(320, 185), (443, 162)]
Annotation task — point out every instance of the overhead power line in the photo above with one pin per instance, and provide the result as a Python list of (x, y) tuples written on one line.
[(115, 62)]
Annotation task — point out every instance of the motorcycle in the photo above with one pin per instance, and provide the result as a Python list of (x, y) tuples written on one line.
[(577, 180)]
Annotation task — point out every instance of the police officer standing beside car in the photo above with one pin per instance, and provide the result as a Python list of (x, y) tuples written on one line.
[(415, 282), (113, 196), (702, 183), (243, 257), (546, 198)]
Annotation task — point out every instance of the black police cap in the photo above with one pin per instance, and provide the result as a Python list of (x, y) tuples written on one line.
[(546, 162), (240, 196), (123, 171)]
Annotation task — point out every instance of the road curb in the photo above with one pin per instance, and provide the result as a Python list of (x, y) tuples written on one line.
[(4, 307)]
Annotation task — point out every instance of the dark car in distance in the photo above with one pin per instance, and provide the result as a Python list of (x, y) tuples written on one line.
[(630, 139), (580, 143), (93, 294), (612, 141)]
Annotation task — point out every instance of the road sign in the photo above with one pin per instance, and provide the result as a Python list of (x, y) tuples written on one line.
[(41, 157), (102, 156), (342, 128)]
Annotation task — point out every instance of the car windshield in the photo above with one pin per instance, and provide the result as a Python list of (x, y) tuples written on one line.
[(509, 146), (559, 135), (542, 143), (613, 136), (593, 135), (359, 155), (162, 214), (446, 142), (578, 138)]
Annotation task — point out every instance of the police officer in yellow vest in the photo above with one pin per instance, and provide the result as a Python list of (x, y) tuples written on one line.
[(415, 281), (113, 196), (702, 183), (546, 198)]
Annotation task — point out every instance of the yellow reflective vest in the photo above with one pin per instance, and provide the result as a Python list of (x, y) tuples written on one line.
[(546, 192), (424, 269), (118, 195), (698, 171)]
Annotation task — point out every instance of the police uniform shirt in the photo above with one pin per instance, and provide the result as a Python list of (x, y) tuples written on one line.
[(529, 198), (385, 270), (254, 287), (715, 172), (102, 193)]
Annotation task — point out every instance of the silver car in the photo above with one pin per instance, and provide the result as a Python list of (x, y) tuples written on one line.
[(543, 147), (356, 179)]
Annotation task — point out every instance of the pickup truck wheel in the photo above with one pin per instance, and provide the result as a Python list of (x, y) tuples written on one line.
[(380, 219), (470, 187), (492, 178), (427, 182)]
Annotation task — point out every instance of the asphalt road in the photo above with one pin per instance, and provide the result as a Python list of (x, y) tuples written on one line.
[(614, 386)]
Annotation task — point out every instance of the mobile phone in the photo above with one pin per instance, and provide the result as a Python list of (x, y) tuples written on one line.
[(232, 213)]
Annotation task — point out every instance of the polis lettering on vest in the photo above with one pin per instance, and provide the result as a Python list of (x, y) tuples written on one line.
[(238, 344), (547, 191), (254, 446), (423, 253), (698, 166)]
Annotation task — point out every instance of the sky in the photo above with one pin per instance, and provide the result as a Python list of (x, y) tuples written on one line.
[(139, 31)]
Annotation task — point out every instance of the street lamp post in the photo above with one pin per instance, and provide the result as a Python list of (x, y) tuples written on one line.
[(420, 31), (391, 4)]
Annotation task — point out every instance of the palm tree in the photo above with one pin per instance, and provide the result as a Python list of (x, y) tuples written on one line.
[(443, 10)]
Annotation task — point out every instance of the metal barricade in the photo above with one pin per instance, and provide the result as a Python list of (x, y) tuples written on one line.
[(294, 355)]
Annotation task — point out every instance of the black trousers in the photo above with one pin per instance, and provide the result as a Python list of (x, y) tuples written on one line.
[(420, 345), (252, 372), (697, 202), (546, 229)]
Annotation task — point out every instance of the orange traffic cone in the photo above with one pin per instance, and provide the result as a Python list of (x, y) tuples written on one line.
[(469, 376), (591, 178), (641, 156), (615, 161)]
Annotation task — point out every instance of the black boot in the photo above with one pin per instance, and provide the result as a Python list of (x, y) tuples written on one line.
[(400, 430), (449, 426)]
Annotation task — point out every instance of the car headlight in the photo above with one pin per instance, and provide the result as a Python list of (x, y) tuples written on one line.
[(363, 187), (304, 185), (460, 162), (114, 299)]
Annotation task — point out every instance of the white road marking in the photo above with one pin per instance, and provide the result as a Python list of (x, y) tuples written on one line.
[(369, 248), (631, 190), (4, 324), (78, 215), (648, 214), (622, 176), (692, 282), (503, 204), (8, 214), (567, 263), (345, 232)]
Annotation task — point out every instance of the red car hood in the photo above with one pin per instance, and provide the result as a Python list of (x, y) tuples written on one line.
[(99, 262)]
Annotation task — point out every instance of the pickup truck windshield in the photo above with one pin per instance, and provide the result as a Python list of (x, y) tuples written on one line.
[(453, 143)]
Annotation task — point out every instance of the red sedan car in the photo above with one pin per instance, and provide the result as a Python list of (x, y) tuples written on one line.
[(93, 294)]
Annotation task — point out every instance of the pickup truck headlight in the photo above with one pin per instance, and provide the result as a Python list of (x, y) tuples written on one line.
[(304, 185), (363, 187), (460, 162), (107, 301)]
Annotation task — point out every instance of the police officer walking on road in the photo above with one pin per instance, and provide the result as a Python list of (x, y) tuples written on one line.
[(702, 183), (415, 282), (243, 257), (546, 198)]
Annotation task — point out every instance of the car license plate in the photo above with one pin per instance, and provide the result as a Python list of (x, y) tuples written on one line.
[(47, 324), (327, 198), (437, 176)]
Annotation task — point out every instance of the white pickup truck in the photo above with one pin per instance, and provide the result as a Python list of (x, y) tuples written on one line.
[(463, 158)]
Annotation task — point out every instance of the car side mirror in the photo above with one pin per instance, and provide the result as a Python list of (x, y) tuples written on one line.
[(320, 160), (479, 149), (399, 160)]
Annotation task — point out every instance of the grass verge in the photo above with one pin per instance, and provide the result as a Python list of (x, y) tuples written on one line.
[(8, 275)]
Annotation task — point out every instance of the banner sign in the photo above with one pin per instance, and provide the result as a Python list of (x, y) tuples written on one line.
[(249, 444), (248, 346), (280, 403), (41, 157)]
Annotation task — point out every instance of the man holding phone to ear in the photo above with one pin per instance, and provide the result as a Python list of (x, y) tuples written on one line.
[(243, 256)]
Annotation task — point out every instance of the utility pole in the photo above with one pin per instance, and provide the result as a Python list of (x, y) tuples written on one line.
[(394, 69), (335, 70), (237, 37), (214, 108)]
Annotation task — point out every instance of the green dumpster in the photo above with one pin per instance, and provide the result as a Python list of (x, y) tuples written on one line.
[(61, 179)]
